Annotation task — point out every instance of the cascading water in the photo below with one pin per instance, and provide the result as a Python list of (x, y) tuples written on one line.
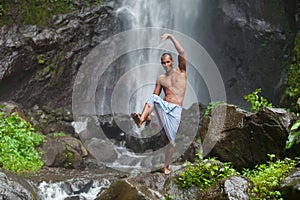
[(123, 70), (174, 15), (73, 188)]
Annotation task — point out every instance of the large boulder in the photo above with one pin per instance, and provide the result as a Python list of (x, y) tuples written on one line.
[(63, 151), (243, 138), (14, 187), (233, 188), (291, 186), (125, 189)]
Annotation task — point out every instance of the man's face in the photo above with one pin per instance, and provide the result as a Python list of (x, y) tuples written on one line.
[(167, 63)]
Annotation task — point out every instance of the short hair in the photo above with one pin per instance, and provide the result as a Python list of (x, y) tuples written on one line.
[(166, 54)]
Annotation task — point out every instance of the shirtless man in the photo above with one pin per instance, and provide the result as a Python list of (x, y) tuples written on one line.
[(168, 110)]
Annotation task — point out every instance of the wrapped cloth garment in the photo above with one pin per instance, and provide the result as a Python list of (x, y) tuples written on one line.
[(168, 115)]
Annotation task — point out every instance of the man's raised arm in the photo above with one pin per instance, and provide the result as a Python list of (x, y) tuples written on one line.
[(180, 50)]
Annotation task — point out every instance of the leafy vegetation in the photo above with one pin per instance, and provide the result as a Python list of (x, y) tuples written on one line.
[(58, 134), (293, 89), (204, 173), (257, 102), (210, 106), (267, 177), (38, 12), (18, 141), (294, 135)]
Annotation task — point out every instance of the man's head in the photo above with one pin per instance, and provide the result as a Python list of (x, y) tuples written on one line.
[(167, 61)]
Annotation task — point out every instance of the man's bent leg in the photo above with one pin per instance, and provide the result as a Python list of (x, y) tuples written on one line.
[(145, 116), (168, 157), (146, 113)]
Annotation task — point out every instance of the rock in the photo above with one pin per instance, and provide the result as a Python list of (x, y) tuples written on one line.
[(63, 151), (48, 121), (14, 187), (11, 107), (242, 138), (95, 145), (54, 153), (127, 189), (232, 188), (38, 65), (290, 187)]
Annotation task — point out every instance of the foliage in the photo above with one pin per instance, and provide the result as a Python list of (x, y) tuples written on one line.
[(294, 135), (257, 102), (293, 89), (210, 106), (204, 173), (38, 12), (1, 10), (171, 197), (267, 177), (18, 140), (58, 134)]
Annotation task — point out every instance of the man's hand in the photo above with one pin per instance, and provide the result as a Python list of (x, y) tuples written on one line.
[(165, 36)]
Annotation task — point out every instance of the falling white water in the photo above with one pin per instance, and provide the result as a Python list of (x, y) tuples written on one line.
[(129, 75), (71, 188), (176, 15)]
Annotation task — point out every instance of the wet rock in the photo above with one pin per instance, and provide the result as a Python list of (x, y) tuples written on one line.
[(243, 138), (246, 40), (15, 187), (291, 186)]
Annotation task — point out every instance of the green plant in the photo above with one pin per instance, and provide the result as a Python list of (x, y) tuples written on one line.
[(267, 177), (204, 173), (257, 102), (294, 135), (1, 10), (210, 106), (58, 134), (69, 155), (18, 140), (171, 197), (40, 58), (293, 89)]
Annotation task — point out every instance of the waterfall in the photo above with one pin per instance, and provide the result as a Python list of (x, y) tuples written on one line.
[(173, 15), (120, 73)]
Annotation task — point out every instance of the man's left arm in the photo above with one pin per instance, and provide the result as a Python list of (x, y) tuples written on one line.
[(180, 50)]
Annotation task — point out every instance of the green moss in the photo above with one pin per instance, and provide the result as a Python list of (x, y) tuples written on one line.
[(38, 12)]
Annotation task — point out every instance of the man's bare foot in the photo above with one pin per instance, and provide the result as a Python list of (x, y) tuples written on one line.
[(137, 119), (167, 171)]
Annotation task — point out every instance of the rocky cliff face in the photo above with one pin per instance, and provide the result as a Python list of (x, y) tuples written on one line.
[(249, 42), (39, 65)]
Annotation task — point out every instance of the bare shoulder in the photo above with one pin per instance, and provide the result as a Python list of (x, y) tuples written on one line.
[(182, 72), (162, 76)]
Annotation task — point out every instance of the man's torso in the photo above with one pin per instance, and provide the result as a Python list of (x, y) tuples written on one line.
[(174, 85)]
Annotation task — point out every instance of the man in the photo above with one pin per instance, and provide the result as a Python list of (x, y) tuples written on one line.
[(168, 110)]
